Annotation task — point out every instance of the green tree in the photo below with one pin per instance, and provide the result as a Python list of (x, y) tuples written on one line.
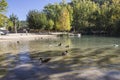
[(50, 24), (9, 25), (15, 21), (23, 24), (70, 9), (82, 10), (63, 23), (52, 12), (82, 15), (3, 5), (42, 21), (1, 20), (36, 20), (5, 22), (114, 17)]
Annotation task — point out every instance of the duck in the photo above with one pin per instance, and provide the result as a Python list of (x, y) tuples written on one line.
[(64, 53), (115, 45), (67, 46), (59, 44), (18, 42), (45, 60), (41, 37), (79, 35), (50, 45)]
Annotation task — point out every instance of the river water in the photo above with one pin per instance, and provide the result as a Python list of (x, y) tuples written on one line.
[(85, 51), (83, 42)]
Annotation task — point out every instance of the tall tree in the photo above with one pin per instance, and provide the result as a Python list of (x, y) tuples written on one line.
[(63, 23), (52, 12), (3, 5), (36, 20), (50, 24), (5, 22), (14, 19), (82, 10)]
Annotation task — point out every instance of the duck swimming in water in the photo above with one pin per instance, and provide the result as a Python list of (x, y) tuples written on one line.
[(67, 46), (64, 53), (18, 42), (45, 60), (60, 44), (115, 45)]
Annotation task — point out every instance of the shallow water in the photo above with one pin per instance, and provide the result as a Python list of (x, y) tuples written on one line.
[(84, 52), (85, 42)]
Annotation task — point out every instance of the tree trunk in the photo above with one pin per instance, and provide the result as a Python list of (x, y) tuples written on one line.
[(15, 27)]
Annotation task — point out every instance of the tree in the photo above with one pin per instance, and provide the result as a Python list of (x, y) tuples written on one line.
[(82, 10), (50, 24), (70, 9), (114, 17), (2, 17), (36, 20), (3, 5), (83, 15), (63, 23), (14, 19), (42, 21), (23, 24), (5, 22), (9, 25), (52, 12)]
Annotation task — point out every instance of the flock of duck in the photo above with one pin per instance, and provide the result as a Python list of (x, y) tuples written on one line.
[(64, 53), (45, 60)]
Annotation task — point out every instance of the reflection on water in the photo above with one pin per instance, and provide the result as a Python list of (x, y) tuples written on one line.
[(23, 58), (23, 55), (84, 52), (49, 44)]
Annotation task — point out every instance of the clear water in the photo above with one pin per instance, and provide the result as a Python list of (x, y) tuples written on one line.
[(74, 42), (86, 51)]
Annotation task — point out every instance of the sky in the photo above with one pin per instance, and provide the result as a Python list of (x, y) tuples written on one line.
[(21, 7)]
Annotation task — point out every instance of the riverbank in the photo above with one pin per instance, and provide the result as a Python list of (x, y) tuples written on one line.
[(24, 36)]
